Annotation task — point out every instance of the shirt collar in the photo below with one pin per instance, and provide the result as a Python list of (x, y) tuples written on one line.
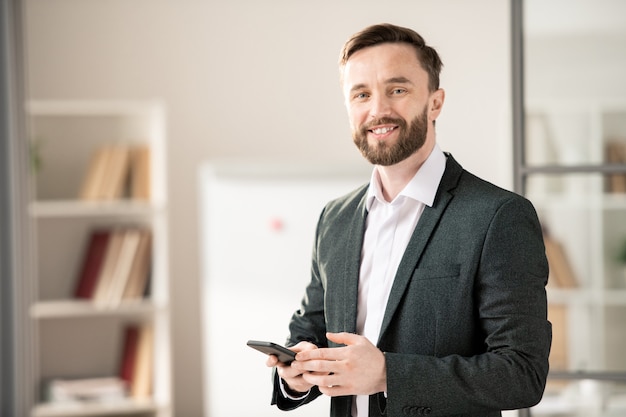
[(422, 187)]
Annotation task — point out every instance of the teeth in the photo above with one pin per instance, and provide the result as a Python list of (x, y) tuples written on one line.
[(382, 130)]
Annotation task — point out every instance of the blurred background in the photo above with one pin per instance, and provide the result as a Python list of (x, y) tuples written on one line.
[(242, 98)]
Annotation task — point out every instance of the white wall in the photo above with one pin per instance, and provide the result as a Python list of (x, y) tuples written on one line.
[(258, 79)]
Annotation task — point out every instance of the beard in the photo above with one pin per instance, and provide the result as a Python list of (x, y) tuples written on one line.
[(409, 140)]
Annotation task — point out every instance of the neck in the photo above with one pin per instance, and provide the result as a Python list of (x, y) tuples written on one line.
[(394, 178)]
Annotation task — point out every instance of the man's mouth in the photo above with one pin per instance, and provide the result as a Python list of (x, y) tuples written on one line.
[(382, 130)]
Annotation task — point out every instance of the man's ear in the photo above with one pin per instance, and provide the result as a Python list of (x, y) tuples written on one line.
[(436, 103)]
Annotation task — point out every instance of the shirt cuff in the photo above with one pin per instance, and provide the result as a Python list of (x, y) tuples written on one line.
[(283, 390)]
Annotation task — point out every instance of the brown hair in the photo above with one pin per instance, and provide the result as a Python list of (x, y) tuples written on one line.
[(388, 33)]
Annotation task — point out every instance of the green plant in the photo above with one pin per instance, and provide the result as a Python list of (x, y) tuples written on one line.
[(621, 254), (35, 155)]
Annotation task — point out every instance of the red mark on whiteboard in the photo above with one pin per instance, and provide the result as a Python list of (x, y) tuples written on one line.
[(277, 224)]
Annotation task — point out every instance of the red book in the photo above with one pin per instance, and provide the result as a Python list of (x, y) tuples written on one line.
[(129, 354), (92, 263)]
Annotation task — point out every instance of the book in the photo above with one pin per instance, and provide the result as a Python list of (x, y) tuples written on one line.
[(140, 173), (107, 174), (116, 177), (93, 260), (136, 359), (141, 386), (94, 390), (140, 269), (616, 154), (129, 353), (123, 265), (561, 272), (96, 172), (105, 278)]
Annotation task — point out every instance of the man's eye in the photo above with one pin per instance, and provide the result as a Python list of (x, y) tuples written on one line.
[(397, 91), (361, 96)]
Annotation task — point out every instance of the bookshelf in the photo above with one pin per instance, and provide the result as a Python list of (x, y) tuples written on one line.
[(78, 338), (575, 185)]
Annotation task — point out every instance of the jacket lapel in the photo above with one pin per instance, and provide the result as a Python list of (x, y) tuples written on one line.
[(354, 243), (421, 235)]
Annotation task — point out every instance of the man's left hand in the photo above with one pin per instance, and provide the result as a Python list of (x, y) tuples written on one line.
[(358, 368)]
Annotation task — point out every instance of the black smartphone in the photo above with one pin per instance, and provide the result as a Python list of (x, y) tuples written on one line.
[(283, 354)]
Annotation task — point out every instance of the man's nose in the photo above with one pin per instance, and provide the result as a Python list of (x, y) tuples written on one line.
[(380, 106)]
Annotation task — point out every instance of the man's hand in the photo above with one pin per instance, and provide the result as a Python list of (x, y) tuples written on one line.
[(355, 369), (292, 376)]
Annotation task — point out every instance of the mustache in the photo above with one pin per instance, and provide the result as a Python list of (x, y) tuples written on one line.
[(383, 121)]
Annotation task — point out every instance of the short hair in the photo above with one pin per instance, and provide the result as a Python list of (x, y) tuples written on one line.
[(388, 33)]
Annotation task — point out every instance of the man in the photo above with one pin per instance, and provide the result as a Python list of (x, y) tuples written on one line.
[(427, 293)]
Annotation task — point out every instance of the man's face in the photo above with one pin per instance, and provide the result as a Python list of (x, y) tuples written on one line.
[(387, 152), (389, 105)]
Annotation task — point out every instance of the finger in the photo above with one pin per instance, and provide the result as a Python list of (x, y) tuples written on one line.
[(303, 346), (319, 366), (287, 371), (321, 379), (333, 391), (321, 354), (343, 338), (271, 361)]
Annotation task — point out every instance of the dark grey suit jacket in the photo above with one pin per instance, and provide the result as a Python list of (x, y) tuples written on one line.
[(465, 331)]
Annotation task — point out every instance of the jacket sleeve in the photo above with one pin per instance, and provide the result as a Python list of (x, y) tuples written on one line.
[(306, 324), (286, 404)]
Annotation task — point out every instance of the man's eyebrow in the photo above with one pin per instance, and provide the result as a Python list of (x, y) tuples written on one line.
[(398, 80), (357, 87), (392, 80)]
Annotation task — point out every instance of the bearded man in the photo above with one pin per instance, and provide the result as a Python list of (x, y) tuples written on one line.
[(427, 291)]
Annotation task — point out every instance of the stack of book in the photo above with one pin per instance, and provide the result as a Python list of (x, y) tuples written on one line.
[(118, 171), (115, 266), (134, 378)]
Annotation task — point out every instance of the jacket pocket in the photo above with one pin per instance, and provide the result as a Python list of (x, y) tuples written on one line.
[(437, 272)]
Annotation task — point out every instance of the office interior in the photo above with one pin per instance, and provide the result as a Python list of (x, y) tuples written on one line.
[(535, 97)]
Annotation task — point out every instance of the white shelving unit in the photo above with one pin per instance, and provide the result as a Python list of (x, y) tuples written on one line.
[(567, 182), (75, 337)]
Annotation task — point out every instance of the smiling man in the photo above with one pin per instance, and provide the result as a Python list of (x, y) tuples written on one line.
[(427, 292)]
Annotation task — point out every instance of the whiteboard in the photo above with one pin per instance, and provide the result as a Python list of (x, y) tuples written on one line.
[(258, 225)]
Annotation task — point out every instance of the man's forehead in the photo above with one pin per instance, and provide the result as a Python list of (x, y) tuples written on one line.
[(388, 63), (389, 49)]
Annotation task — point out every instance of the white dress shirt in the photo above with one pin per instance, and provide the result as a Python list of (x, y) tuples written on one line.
[(388, 229)]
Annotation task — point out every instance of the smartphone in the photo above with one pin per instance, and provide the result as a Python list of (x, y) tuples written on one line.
[(283, 354)]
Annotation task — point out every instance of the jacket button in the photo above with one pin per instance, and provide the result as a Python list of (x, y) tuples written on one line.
[(427, 410), (406, 410)]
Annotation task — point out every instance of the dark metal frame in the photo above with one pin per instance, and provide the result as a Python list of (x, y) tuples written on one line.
[(17, 387)]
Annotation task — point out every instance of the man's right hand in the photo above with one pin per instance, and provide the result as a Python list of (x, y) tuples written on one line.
[(295, 384)]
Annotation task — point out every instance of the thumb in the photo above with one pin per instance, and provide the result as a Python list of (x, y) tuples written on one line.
[(343, 338)]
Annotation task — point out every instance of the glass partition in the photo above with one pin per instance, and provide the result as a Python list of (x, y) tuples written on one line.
[(571, 163)]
